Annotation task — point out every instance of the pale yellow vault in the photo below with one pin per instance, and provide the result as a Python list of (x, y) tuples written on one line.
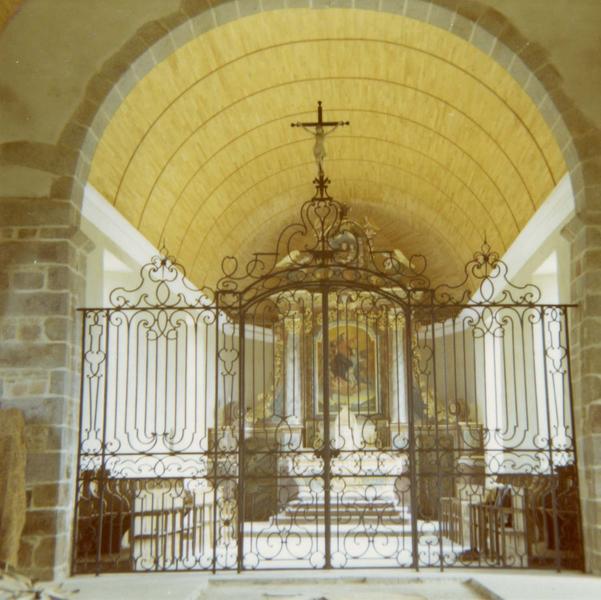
[(443, 148)]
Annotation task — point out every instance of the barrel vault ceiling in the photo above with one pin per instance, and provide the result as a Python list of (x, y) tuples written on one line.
[(443, 148)]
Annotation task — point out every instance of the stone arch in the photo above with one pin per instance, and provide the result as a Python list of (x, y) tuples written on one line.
[(483, 27)]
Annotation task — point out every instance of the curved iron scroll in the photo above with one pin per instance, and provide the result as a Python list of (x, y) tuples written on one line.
[(325, 245)]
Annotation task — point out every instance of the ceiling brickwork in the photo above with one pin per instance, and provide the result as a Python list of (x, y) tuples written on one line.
[(444, 146)]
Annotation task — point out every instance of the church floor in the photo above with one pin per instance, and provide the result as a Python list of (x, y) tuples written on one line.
[(355, 585)]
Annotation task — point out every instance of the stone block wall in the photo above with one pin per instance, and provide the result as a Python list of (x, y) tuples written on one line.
[(586, 351), (41, 286)]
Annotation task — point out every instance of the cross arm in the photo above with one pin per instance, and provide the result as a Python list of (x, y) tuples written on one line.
[(323, 124)]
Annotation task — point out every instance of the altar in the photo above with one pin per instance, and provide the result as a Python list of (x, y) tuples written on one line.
[(362, 483)]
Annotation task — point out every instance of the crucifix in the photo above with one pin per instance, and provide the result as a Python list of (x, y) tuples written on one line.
[(320, 133)]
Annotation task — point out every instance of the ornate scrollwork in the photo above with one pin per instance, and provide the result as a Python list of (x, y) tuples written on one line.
[(163, 284), (489, 273), (325, 245)]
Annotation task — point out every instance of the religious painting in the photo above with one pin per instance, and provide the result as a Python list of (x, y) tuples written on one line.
[(353, 372)]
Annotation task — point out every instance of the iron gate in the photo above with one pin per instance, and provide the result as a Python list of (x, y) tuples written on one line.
[(326, 407)]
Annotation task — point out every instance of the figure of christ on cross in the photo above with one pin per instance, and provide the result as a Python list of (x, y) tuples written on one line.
[(320, 133)]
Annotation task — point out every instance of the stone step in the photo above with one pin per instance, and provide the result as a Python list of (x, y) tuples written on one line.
[(338, 530), (319, 512), (340, 518), (352, 513), (351, 506)]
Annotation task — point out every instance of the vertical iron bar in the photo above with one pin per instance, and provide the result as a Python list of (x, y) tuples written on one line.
[(78, 468), (573, 431), (294, 369), (101, 482), (215, 434), (411, 434), (326, 425), (437, 431), (550, 445), (241, 456), (315, 394)]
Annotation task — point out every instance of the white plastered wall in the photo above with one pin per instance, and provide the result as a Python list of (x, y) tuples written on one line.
[(531, 396), (159, 387), (505, 384)]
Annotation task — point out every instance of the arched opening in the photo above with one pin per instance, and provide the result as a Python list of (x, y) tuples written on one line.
[(88, 124), (327, 407)]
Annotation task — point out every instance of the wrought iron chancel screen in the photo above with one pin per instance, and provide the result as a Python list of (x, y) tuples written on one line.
[(326, 407)]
